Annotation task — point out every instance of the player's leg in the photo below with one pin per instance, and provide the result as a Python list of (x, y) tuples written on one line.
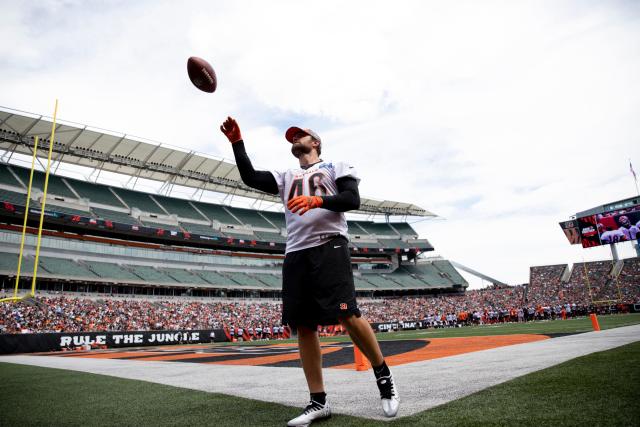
[(311, 357), (296, 312), (363, 336)]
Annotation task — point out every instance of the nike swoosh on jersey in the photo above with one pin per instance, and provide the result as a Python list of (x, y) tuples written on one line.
[(336, 247)]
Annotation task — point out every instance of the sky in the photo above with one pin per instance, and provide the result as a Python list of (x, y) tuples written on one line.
[(502, 117)]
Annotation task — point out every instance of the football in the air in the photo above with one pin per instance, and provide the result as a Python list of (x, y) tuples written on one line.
[(201, 74)]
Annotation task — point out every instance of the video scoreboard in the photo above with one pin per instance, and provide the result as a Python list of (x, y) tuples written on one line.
[(619, 224)]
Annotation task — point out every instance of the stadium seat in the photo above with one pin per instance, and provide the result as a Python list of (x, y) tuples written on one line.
[(150, 274), (7, 178), (184, 276), (96, 193), (270, 237), (115, 216), (200, 229), (216, 213), (216, 278), (55, 186), (403, 228), (110, 271), (65, 267), (271, 280), (377, 228), (142, 201), (276, 218), (180, 207), (250, 217)]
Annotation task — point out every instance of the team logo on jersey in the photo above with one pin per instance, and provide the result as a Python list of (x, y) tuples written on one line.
[(343, 306)]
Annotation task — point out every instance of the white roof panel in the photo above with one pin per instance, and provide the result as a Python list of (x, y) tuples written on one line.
[(110, 151)]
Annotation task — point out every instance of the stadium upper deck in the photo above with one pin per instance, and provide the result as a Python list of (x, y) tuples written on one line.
[(111, 216), (80, 205)]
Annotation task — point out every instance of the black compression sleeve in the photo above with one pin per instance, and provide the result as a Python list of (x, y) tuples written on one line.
[(348, 197), (260, 180)]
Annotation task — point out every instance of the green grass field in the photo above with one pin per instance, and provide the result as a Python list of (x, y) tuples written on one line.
[(598, 389)]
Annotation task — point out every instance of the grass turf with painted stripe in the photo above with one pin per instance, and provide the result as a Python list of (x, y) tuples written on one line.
[(598, 389)]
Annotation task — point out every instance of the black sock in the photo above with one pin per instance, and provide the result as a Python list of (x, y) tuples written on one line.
[(321, 397), (382, 370)]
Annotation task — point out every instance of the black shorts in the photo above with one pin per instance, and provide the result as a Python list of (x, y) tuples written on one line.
[(317, 285)]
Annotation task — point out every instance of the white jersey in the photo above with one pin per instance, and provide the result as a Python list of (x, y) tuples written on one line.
[(316, 226)]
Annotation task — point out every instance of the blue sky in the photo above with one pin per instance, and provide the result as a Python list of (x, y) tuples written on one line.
[(502, 117)]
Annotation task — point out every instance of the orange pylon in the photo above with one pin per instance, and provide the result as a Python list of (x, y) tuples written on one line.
[(362, 363), (594, 322)]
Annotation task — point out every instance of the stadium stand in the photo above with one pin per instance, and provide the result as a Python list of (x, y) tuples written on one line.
[(110, 271), (216, 213), (490, 305), (377, 228), (428, 273), (96, 193), (184, 276), (250, 217), (16, 198), (270, 237), (271, 280), (182, 208), (115, 216), (56, 185), (245, 280), (217, 279), (355, 229), (380, 281), (200, 228), (450, 272), (65, 267), (275, 218), (161, 225), (403, 229), (9, 263), (150, 274), (7, 178), (142, 201)]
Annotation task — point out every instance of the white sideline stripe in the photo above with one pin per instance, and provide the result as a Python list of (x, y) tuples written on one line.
[(422, 385)]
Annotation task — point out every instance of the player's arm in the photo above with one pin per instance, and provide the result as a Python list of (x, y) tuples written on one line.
[(348, 198), (260, 180)]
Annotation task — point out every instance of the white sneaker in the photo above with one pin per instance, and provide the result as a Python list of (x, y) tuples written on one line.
[(389, 395), (313, 411)]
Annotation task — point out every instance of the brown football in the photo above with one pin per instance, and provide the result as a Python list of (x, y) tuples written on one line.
[(201, 74)]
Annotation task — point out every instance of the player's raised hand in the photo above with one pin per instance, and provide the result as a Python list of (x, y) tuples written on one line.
[(302, 204), (231, 130)]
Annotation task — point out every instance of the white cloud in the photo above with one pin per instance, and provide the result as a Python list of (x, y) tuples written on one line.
[(503, 117)]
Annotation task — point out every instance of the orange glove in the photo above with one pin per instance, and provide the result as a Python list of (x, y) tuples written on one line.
[(231, 130), (301, 204)]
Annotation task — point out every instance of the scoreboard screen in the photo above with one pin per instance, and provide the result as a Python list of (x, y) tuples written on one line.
[(610, 227)]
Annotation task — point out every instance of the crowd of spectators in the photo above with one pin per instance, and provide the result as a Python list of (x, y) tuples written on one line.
[(546, 297)]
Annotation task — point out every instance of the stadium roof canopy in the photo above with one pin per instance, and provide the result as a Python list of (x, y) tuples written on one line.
[(109, 151)]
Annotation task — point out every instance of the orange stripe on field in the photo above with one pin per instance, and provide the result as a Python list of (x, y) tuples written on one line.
[(444, 347), (265, 360), (181, 356)]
